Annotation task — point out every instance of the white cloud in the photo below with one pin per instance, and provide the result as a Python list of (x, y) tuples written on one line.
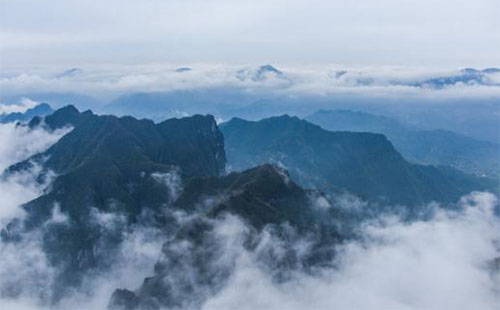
[(16, 190), (442, 263), (24, 105), (24, 273), (436, 264), (20, 142), (379, 82)]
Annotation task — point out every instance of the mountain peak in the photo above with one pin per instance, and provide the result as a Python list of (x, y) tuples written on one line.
[(262, 73), (67, 115), (268, 68), (67, 110), (470, 71), (70, 73), (183, 69)]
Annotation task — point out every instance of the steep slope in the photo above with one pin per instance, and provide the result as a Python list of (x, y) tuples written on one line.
[(435, 147), (193, 144), (362, 163), (110, 166)]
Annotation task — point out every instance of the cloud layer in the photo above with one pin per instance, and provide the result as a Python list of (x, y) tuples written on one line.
[(438, 264), (108, 82)]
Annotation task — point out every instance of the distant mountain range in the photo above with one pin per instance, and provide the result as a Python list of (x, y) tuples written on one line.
[(260, 74), (39, 110), (434, 147), (466, 76), (477, 118), (255, 92), (362, 163)]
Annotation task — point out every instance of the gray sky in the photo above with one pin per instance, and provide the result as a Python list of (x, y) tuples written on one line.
[(404, 32)]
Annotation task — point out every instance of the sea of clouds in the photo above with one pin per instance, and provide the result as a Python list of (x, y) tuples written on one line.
[(109, 81)]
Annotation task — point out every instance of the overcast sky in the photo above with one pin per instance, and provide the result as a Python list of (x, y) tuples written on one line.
[(402, 32)]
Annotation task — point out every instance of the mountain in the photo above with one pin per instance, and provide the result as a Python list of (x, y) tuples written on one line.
[(434, 147), (39, 110), (477, 119), (69, 73), (183, 69), (119, 150), (469, 76), (261, 196), (262, 73), (223, 102), (365, 164), (115, 175), (112, 166)]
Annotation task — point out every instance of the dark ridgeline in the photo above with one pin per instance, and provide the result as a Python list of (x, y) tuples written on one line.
[(365, 164), (106, 157)]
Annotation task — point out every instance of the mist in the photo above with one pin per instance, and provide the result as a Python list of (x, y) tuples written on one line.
[(443, 263), (19, 142)]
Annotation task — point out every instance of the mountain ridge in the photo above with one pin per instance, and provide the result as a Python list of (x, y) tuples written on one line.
[(434, 147), (365, 164)]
